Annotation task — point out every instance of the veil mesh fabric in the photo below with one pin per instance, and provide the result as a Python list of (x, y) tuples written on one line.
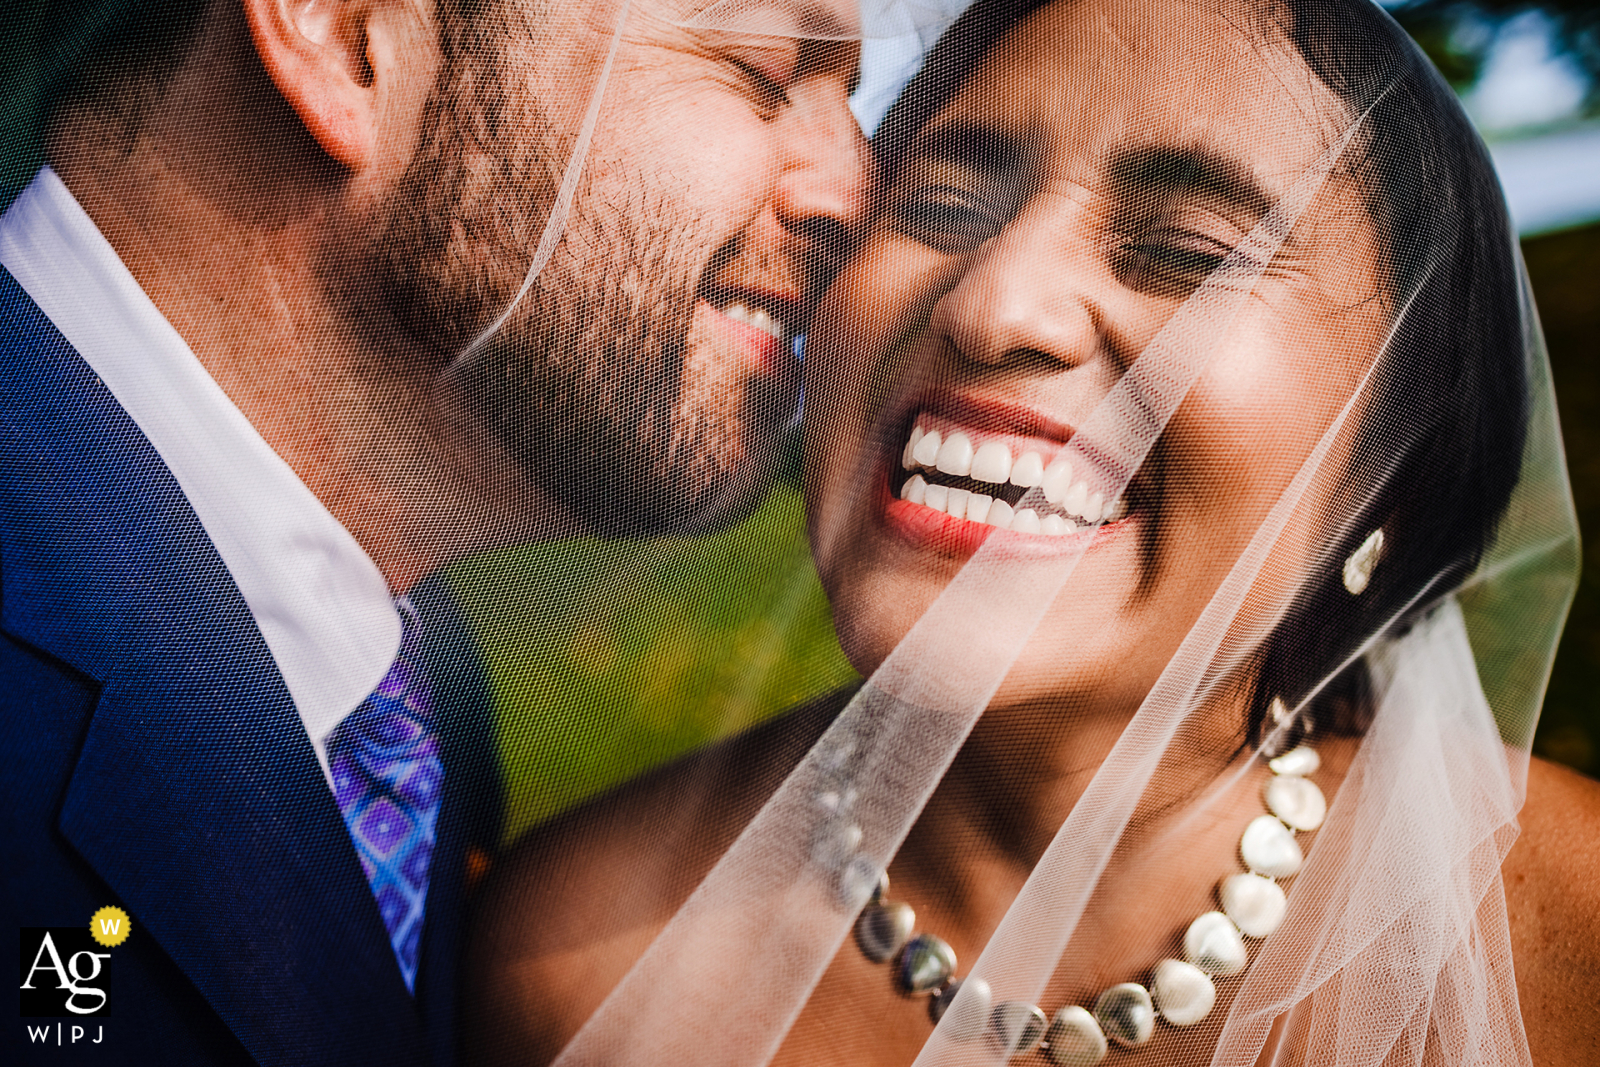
[(1416, 401), (1394, 948)]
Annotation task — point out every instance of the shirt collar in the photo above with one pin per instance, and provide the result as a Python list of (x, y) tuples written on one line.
[(323, 607)]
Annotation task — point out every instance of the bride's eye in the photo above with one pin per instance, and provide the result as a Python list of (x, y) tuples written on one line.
[(946, 218), (1166, 264)]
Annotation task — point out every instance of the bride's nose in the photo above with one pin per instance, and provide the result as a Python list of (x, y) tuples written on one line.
[(1028, 297)]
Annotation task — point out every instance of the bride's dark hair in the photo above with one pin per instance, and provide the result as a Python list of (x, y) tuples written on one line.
[(1448, 411)]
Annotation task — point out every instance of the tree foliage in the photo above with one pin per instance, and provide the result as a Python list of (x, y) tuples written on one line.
[(1457, 34)]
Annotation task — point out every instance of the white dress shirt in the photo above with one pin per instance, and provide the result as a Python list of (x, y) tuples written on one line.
[(323, 607)]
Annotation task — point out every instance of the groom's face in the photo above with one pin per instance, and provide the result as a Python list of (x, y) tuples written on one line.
[(646, 377)]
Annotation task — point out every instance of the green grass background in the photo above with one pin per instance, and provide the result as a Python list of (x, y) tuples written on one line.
[(607, 657)]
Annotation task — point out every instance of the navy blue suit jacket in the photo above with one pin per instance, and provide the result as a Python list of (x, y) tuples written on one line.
[(153, 759)]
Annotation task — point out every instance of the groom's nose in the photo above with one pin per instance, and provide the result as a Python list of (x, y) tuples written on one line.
[(822, 188)]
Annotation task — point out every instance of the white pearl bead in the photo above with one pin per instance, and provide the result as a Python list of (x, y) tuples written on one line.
[(1297, 761), (861, 882), (1075, 1039), (1269, 848), (1213, 944), (1297, 801), (1182, 992), (1255, 904), (834, 841)]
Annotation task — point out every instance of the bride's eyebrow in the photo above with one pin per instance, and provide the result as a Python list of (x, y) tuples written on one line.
[(1150, 175), (973, 147)]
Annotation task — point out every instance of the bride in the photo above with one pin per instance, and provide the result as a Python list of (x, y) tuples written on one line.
[(1182, 471)]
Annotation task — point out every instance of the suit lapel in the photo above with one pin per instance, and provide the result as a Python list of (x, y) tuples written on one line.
[(471, 806), (196, 796)]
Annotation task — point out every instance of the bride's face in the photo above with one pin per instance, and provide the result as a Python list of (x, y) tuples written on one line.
[(1037, 234)]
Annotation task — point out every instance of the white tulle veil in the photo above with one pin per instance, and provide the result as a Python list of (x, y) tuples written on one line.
[(1394, 946)]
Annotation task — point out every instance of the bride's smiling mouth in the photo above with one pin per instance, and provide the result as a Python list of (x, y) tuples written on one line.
[(961, 470)]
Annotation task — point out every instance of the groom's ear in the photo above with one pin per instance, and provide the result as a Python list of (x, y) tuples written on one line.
[(338, 62)]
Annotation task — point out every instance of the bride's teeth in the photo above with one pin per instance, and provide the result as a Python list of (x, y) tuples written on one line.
[(908, 458), (1028, 471), (992, 463), (1025, 521), (955, 455), (1077, 501), (1056, 480)]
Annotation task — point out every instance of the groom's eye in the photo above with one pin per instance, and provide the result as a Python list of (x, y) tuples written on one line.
[(764, 71), (767, 92)]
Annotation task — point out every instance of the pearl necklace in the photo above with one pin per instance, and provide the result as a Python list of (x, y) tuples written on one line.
[(1181, 991)]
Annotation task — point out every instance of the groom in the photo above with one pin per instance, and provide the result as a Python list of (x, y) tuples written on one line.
[(267, 359)]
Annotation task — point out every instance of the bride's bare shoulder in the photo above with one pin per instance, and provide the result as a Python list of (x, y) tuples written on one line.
[(567, 909), (1552, 879)]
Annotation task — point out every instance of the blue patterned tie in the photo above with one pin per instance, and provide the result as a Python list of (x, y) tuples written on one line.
[(384, 758)]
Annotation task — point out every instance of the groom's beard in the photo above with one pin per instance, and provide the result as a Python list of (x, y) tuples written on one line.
[(592, 384), (597, 391)]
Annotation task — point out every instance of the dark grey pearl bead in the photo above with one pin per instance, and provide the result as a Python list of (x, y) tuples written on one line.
[(970, 1016), (1018, 1025), (925, 964), (1126, 1013), (883, 929)]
